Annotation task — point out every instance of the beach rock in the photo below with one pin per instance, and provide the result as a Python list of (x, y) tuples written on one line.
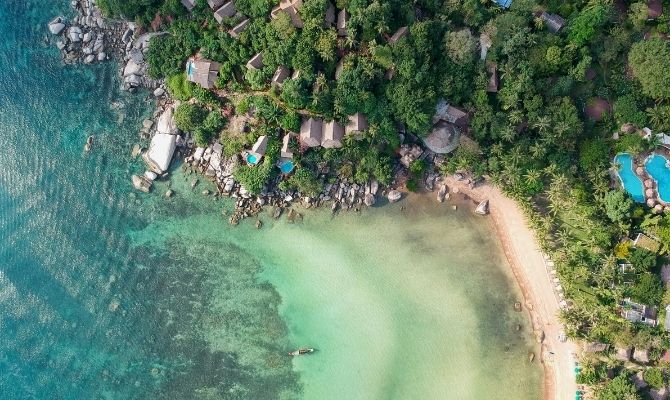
[(369, 199), (374, 187), (89, 59), (136, 56), (132, 68), (169, 193), (56, 27), (133, 80), (159, 92), (206, 192), (102, 56), (259, 224), (147, 124), (127, 35), (60, 45), (442, 193), (394, 196), (74, 34), (140, 183), (150, 175), (88, 36), (137, 150)]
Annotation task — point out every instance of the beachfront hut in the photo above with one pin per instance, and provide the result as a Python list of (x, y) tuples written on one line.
[(280, 75), (291, 8), (225, 11), (443, 139), (311, 132), (342, 22), (646, 242), (215, 4), (189, 4), (333, 133), (239, 28), (257, 151), (554, 22), (329, 18), (203, 72), (399, 34), (256, 62), (285, 149), (492, 70), (357, 124)]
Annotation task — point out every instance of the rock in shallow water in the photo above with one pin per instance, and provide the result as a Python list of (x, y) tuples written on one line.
[(56, 28), (394, 196)]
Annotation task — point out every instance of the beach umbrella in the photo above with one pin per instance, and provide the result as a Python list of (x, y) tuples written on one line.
[(650, 202), (649, 193), (639, 170), (658, 208), (648, 183)]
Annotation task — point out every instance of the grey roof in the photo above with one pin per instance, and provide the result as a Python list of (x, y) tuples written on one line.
[(311, 132), (256, 62), (189, 4), (357, 123), (292, 8), (333, 133), (554, 22), (342, 22), (281, 75), (203, 72), (239, 28), (261, 145), (215, 4), (226, 11), (443, 139), (399, 34)]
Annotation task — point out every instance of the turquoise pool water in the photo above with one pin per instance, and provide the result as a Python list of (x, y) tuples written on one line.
[(657, 166), (252, 159), (286, 167), (630, 181)]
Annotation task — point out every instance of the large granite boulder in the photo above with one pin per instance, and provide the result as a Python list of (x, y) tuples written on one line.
[(56, 26), (74, 34), (394, 195)]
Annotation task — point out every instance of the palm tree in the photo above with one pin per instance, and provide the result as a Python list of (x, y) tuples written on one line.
[(515, 117), (532, 177), (507, 134), (542, 124), (537, 150), (656, 116)]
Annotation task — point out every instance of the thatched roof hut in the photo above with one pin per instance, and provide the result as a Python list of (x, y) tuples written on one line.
[(239, 28), (256, 62), (225, 11), (333, 132), (342, 22), (189, 4), (357, 123), (281, 75), (203, 72), (311, 132), (443, 139)]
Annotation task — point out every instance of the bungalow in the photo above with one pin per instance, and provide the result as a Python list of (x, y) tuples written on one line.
[(257, 151), (357, 124), (399, 34), (189, 4), (290, 7), (638, 313), (215, 4), (638, 380), (332, 135), (239, 28), (281, 75), (444, 137), (203, 72), (285, 149), (311, 132), (451, 114), (256, 62), (342, 22), (226, 11), (492, 69), (554, 22), (329, 18), (646, 242)]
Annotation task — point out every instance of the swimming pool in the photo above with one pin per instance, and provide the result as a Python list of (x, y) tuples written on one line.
[(286, 166), (630, 181), (252, 159), (657, 166)]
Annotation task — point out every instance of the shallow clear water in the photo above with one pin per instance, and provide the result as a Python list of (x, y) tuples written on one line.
[(110, 294), (657, 166), (630, 181)]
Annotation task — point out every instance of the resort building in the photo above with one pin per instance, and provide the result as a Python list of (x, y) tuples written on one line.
[(256, 62), (311, 132), (399, 34), (189, 4), (281, 75), (203, 72), (257, 151), (454, 115), (333, 132), (554, 22), (444, 137), (290, 7), (638, 313), (342, 22), (215, 4), (285, 163), (596, 347), (358, 123), (641, 355), (225, 11), (646, 242), (239, 28)]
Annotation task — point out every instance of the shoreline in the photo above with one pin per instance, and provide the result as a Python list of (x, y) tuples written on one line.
[(527, 263)]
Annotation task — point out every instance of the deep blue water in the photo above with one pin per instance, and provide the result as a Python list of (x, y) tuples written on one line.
[(84, 313)]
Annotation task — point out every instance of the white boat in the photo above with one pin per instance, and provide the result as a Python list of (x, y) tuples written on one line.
[(301, 352)]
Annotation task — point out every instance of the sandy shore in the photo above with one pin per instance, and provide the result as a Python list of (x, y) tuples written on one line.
[(528, 265)]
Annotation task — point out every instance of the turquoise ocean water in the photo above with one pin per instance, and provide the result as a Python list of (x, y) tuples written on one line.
[(110, 294)]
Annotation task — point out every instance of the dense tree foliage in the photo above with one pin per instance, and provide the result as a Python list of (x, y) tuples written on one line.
[(649, 60)]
